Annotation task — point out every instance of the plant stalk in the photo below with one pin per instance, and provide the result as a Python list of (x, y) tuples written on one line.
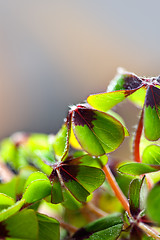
[(136, 144), (68, 227), (118, 192), (149, 231), (98, 212)]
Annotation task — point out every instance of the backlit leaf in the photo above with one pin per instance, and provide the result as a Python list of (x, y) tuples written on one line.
[(56, 192), (124, 81), (151, 155), (79, 179), (69, 201), (152, 113), (34, 177), (97, 132), (37, 190), (107, 100), (119, 118), (6, 213), (73, 141), (59, 143), (138, 97), (5, 201), (138, 168)]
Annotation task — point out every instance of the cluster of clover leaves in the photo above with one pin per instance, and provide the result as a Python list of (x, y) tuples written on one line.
[(47, 181)]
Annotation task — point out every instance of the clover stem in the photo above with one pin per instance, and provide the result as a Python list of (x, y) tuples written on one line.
[(114, 185), (136, 144), (95, 210), (149, 231), (68, 227)]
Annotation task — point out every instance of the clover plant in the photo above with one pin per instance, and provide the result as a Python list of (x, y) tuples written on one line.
[(69, 186)]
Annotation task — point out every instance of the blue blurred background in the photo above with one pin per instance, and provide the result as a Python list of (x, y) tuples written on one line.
[(55, 53)]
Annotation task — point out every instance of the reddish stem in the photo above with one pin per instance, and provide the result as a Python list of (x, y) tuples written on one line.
[(118, 192), (136, 147), (136, 144)]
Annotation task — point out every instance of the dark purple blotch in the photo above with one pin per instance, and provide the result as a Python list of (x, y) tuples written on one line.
[(134, 210), (131, 82), (81, 234), (152, 97), (82, 116), (3, 231), (136, 233), (54, 175), (69, 173)]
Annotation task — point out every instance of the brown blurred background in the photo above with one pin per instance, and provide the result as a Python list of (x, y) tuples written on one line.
[(55, 53)]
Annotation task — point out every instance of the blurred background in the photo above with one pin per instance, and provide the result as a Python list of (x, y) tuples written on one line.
[(55, 53)]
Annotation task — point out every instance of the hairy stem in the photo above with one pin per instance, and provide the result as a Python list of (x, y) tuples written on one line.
[(118, 192), (149, 231), (136, 144)]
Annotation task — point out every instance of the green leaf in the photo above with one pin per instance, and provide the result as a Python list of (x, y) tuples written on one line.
[(37, 190), (79, 179), (13, 155), (138, 168), (37, 141), (23, 225), (151, 155), (56, 192), (120, 119), (60, 141), (136, 187), (9, 188), (153, 206), (81, 158), (35, 144), (6, 213), (69, 201), (97, 132), (106, 101), (34, 177), (111, 233), (138, 97), (124, 81), (77, 190), (152, 114), (106, 228), (48, 228), (5, 201), (46, 156)]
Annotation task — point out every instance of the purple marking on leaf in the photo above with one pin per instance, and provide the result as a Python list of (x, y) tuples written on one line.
[(3, 231), (129, 92), (53, 175), (152, 97), (81, 234), (131, 82), (134, 210), (136, 233), (83, 116), (73, 161), (69, 173)]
